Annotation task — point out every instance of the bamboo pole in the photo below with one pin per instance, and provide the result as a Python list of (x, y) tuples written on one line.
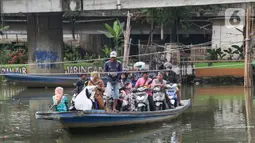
[(126, 40), (248, 80), (248, 95), (139, 50)]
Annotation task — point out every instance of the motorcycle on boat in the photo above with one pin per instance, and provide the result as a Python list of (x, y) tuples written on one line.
[(159, 98), (171, 93), (141, 98)]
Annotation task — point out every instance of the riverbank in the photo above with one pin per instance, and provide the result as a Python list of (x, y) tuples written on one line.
[(219, 80)]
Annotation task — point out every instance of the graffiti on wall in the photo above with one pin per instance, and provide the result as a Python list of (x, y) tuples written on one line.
[(44, 59), (22, 70)]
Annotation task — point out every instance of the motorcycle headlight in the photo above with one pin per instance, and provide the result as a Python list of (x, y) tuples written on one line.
[(140, 98)]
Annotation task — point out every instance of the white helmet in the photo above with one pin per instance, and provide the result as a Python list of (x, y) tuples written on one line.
[(140, 65), (113, 54), (167, 65)]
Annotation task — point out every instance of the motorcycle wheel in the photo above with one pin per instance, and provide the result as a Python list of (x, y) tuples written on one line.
[(158, 108), (140, 109)]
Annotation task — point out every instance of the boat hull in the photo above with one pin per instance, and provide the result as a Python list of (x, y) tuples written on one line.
[(41, 81), (99, 118), (35, 81)]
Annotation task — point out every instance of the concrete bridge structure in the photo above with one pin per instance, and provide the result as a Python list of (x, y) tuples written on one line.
[(45, 22)]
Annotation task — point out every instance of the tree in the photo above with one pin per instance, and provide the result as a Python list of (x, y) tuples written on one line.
[(72, 16), (117, 34), (171, 16)]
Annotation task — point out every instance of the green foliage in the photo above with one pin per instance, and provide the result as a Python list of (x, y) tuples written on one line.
[(168, 16), (18, 56), (76, 53), (239, 50), (13, 54), (3, 56), (4, 29), (117, 34), (230, 52), (106, 51), (215, 53)]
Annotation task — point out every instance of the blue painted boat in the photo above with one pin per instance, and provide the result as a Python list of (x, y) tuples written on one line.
[(37, 81), (100, 118)]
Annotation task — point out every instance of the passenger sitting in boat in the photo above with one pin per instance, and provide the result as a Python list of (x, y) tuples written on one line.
[(81, 83), (133, 80), (126, 86), (96, 81), (159, 81), (59, 100), (144, 81)]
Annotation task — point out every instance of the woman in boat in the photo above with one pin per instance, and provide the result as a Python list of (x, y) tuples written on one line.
[(145, 80), (126, 86), (96, 81), (59, 100), (133, 80)]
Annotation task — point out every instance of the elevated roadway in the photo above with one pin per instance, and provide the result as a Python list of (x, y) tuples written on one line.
[(35, 6)]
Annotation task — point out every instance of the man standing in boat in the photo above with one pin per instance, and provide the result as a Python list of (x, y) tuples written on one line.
[(113, 68)]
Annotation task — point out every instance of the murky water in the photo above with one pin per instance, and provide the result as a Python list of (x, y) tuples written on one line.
[(218, 114)]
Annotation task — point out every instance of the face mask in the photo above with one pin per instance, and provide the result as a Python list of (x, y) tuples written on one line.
[(91, 78)]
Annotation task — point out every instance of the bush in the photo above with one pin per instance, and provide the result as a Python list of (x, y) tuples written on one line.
[(3, 56), (18, 56)]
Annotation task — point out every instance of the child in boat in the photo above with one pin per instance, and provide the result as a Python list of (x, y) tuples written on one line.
[(59, 100)]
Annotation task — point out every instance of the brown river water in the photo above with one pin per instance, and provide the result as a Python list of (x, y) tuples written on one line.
[(217, 114)]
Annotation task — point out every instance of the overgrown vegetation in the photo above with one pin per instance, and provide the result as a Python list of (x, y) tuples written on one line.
[(215, 54), (18, 54), (13, 54), (76, 53), (116, 33)]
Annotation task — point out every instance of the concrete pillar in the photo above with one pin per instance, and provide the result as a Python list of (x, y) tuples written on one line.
[(45, 43), (94, 43)]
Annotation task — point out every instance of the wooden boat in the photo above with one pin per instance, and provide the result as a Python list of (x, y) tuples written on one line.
[(37, 81), (99, 118)]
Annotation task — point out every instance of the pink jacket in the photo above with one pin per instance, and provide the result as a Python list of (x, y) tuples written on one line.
[(141, 82)]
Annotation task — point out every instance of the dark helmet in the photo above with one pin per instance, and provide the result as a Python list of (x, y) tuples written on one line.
[(125, 71)]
